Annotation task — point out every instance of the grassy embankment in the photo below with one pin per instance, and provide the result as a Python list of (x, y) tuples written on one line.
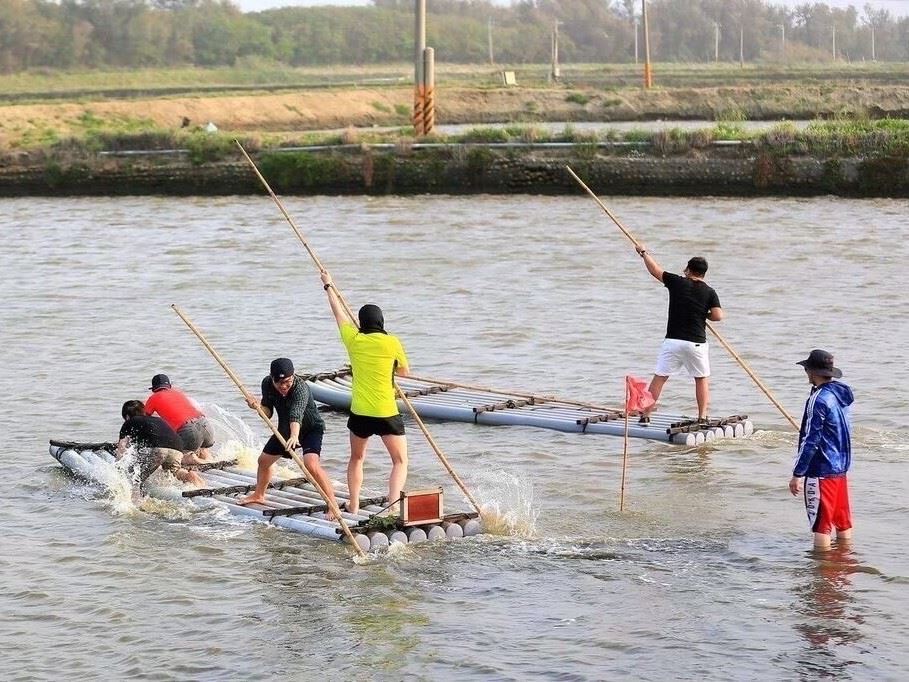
[(274, 104), (63, 120)]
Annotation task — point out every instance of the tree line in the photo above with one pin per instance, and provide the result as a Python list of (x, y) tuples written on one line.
[(153, 33)]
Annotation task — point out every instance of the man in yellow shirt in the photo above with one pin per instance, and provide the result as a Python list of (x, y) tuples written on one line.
[(375, 357)]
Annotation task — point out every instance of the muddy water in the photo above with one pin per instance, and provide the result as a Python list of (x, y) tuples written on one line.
[(706, 575)]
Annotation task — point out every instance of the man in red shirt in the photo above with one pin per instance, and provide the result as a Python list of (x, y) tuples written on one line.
[(182, 415)]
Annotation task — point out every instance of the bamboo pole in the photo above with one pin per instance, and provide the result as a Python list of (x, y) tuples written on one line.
[(519, 394), (333, 291), (735, 356), (249, 398), (624, 451), (436, 449), (290, 221)]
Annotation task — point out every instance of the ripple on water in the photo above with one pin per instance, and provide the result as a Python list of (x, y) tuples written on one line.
[(707, 558)]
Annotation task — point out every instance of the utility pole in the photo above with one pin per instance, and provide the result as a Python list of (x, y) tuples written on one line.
[(492, 59), (648, 73), (635, 40), (419, 46), (783, 40), (556, 71), (873, 55), (716, 41), (742, 47), (834, 42)]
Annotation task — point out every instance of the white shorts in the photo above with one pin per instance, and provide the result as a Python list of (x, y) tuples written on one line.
[(676, 354)]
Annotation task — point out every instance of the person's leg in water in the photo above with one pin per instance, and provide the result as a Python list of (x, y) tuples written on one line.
[(397, 450), (263, 476), (355, 471)]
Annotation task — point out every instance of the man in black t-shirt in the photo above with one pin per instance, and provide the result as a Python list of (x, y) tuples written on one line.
[(691, 303), (299, 423), (155, 443)]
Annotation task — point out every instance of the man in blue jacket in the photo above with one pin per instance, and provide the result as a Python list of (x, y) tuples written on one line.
[(825, 451)]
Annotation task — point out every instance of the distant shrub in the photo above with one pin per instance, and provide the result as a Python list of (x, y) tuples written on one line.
[(118, 141), (699, 139), (577, 98), (570, 134), (478, 160), (730, 115), (208, 147), (485, 135), (729, 131)]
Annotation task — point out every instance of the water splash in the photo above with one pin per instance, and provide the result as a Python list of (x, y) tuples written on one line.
[(115, 479), (233, 437), (507, 503)]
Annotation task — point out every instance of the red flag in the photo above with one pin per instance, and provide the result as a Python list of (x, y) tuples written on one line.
[(637, 397)]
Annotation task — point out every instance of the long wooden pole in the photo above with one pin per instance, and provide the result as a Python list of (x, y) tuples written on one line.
[(436, 449), (760, 384), (624, 451), (290, 221), (519, 394), (249, 397), (333, 291)]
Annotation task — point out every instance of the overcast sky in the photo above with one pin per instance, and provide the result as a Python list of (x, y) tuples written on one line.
[(898, 7)]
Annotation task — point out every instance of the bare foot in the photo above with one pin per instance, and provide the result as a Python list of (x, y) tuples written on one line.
[(251, 499), (330, 515)]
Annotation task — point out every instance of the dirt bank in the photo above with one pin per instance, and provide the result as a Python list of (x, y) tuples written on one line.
[(363, 107)]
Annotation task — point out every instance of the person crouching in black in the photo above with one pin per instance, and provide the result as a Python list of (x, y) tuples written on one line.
[(156, 445)]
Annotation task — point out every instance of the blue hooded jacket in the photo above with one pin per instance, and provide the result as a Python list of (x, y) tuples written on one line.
[(825, 437)]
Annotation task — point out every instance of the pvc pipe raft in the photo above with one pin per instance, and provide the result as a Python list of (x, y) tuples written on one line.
[(435, 399), (96, 465)]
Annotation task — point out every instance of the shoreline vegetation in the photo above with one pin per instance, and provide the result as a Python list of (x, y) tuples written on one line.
[(144, 135)]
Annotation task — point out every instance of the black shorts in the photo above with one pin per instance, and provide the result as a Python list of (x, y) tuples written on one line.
[(364, 427), (311, 441)]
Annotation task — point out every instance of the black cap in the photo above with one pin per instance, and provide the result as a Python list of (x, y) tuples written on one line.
[(820, 362), (281, 368), (159, 381)]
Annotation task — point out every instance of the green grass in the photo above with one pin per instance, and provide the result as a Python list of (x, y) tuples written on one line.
[(577, 98), (262, 75), (842, 137)]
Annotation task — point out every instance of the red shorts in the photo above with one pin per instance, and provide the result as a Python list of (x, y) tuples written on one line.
[(827, 503)]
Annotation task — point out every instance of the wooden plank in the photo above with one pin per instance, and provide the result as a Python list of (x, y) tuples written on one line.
[(505, 405), (417, 392), (599, 418), (316, 508), (208, 492), (208, 466)]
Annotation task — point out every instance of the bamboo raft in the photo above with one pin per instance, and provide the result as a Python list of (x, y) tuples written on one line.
[(290, 503), (447, 401)]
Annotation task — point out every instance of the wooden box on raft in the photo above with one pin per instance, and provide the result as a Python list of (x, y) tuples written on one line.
[(421, 506)]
